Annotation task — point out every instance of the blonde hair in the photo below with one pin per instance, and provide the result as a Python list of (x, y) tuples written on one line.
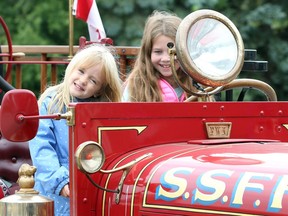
[(86, 58), (143, 81)]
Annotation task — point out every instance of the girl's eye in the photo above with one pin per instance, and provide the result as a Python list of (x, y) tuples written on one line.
[(93, 81), (81, 71), (157, 51)]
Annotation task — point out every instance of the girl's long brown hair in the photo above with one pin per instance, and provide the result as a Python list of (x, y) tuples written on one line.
[(143, 80)]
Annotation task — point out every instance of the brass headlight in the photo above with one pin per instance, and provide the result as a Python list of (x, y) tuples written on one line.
[(89, 157)]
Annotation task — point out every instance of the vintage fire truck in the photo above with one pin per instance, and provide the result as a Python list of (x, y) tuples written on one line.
[(199, 157)]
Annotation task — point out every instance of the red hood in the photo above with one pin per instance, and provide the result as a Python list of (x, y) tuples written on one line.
[(206, 179)]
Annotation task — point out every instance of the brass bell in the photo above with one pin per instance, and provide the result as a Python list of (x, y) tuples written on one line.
[(26, 201)]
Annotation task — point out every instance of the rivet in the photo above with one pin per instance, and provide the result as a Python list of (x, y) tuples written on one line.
[(261, 128), (14, 159), (279, 128)]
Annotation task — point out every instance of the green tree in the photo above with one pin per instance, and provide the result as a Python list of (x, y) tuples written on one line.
[(262, 24)]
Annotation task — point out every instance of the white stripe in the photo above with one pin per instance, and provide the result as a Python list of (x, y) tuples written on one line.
[(74, 8), (94, 22)]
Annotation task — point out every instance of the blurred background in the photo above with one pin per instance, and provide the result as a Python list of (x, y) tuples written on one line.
[(263, 25)]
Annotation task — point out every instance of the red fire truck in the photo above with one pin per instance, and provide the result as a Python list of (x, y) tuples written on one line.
[(199, 157)]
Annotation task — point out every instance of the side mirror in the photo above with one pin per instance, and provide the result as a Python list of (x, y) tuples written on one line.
[(16, 105)]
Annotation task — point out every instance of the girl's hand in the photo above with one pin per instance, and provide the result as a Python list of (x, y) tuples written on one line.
[(65, 191)]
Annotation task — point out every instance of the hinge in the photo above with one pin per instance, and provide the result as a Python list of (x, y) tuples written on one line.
[(70, 116)]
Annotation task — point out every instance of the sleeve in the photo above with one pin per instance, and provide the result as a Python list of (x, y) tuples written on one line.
[(46, 155)]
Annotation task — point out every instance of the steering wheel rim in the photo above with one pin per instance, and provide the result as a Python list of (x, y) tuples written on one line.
[(265, 88), (10, 50)]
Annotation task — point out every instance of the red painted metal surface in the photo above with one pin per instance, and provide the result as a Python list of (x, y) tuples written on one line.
[(186, 173), (15, 106)]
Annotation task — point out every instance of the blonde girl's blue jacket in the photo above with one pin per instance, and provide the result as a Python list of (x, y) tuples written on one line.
[(49, 152)]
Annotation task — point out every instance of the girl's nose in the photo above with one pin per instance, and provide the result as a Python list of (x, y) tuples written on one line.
[(83, 79), (166, 57)]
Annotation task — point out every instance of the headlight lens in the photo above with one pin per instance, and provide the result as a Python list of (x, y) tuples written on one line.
[(89, 157)]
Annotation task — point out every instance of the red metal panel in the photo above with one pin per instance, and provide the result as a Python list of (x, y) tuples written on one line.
[(129, 130), (204, 179)]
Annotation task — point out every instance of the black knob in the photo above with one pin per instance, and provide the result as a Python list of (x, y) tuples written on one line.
[(170, 45)]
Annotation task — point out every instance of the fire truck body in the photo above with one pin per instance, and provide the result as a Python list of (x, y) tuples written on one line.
[(180, 170), (190, 158)]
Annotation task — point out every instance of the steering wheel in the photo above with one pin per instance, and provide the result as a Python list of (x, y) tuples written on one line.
[(209, 48), (266, 89), (9, 55)]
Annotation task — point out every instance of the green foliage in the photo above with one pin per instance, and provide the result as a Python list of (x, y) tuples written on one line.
[(262, 24)]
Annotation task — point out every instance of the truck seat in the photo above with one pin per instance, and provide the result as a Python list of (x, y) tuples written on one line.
[(12, 156)]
